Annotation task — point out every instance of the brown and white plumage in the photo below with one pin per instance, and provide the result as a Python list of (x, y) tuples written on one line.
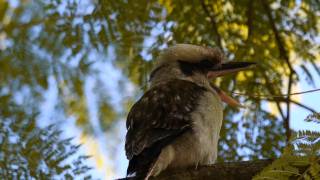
[(176, 123), (161, 115)]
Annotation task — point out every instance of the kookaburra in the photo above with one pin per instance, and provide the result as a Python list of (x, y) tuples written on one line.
[(177, 122)]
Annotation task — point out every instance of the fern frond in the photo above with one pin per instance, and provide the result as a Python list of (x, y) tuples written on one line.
[(315, 117), (300, 159)]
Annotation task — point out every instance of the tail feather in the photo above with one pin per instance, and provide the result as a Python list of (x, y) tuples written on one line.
[(141, 164)]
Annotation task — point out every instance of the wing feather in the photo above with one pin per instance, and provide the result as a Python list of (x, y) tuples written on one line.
[(159, 116)]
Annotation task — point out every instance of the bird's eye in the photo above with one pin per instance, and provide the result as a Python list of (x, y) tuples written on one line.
[(202, 66)]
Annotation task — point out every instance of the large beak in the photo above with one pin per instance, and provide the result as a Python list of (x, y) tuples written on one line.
[(228, 68), (224, 69)]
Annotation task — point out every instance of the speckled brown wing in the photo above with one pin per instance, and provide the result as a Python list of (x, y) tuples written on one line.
[(161, 115)]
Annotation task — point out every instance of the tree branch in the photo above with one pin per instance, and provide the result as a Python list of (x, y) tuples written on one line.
[(250, 13), (283, 55), (227, 171), (270, 89), (282, 51), (303, 106), (213, 23), (288, 101)]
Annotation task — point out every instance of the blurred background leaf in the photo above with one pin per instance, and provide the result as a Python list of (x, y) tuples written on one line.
[(81, 65), (28, 151)]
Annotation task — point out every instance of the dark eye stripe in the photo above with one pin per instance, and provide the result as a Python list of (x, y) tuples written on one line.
[(203, 66)]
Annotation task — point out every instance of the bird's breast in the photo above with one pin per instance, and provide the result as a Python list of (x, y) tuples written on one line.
[(207, 119), (199, 146), (209, 112)]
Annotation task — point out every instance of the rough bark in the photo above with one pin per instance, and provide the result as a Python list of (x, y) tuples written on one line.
[(220, 171)]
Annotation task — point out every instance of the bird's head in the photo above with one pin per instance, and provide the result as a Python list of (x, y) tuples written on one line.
[(197, 64)]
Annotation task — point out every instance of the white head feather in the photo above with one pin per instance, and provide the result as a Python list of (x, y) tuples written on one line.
[(167, 66), (189, 53)]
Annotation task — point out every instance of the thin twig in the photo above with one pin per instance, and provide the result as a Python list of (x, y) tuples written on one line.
[(280, 95), (281, 99), (304, 106)]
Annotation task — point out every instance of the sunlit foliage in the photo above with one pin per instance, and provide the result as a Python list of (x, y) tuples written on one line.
[(300, 159), (69, 41)]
